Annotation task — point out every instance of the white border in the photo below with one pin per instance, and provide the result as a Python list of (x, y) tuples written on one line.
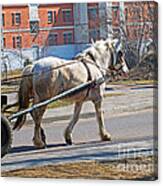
[(62, 1), (73, 182)]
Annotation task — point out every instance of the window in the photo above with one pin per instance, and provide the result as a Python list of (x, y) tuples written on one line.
[(17, 42), (67, 16), (16, 18), (51, 17), (126, 13), (136, 14), (115, 11), (92, 13), (94, 34), (4, 43), (67, 37), (55, 17), (13, 19), (3, 19), (13, 42), (52, 39), (135, 33)]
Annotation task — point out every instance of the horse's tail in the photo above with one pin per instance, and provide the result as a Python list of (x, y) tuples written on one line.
[(24, 95)]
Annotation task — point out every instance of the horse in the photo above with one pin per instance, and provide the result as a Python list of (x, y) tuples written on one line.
[(50, 76)]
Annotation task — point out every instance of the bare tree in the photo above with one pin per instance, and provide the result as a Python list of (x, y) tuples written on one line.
[(144, 16)]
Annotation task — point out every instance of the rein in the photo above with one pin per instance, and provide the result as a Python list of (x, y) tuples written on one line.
[(16, 78), (112, 71)]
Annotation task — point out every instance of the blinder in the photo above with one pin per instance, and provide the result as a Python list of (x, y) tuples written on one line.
[(116, 60)]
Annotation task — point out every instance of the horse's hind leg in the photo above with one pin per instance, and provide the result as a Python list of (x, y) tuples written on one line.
[(68, 131), (105, 136), (39, 135)]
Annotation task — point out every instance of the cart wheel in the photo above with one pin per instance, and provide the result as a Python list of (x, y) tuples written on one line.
[(6, 136)]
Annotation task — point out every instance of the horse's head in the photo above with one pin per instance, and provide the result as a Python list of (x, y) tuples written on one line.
[(106, 54), (117, 62)]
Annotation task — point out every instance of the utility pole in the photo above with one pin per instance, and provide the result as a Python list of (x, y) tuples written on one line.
[(122, 23)]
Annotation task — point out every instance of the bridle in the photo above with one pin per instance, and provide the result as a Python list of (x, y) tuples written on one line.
[(112, 71)]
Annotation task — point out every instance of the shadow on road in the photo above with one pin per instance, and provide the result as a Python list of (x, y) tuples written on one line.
[(21, 149), (95, 143)]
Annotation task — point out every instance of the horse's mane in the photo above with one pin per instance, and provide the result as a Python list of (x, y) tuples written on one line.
[(99, 46)]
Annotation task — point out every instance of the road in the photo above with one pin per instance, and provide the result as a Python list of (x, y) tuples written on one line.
[(123, 127), (129, 133)]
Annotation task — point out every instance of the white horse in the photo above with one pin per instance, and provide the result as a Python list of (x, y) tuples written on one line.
[(46, 82)]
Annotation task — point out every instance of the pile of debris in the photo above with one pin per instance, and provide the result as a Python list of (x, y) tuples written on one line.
[(146, 69)]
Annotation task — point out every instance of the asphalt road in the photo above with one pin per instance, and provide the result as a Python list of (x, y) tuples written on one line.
[(138, 125), (128, 131)]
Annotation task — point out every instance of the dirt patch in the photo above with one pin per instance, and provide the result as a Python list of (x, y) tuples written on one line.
[(141, 168)]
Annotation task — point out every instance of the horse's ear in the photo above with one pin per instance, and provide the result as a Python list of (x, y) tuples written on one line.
[(93, 42)]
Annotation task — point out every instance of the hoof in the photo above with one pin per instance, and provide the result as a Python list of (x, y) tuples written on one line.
[(106, 137), (43, 136), (39, 144), (68, 137), (68, 141)]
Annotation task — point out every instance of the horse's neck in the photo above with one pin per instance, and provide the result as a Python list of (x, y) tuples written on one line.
[(104, 62)]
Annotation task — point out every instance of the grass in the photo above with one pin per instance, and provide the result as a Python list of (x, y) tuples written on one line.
[(62, 103), (9, 89), (114, 94), (140, 168), (14, 73), (134, 82), (59, 103)]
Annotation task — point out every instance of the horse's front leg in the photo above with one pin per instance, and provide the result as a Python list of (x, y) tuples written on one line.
[(39, 135), (68, 131), (105, 136)]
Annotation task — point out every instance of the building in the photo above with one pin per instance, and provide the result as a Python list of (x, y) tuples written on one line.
[(33, 25), (139, 17), (63, 30)]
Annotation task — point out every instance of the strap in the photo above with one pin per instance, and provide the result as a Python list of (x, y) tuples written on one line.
[(88, 70)]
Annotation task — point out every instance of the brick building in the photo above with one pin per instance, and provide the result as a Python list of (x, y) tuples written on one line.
[(55, 29), (139, 17)]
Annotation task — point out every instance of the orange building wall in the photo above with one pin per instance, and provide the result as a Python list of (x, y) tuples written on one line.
[(43, 12), (28, 39), (14, 30), (8, 10)]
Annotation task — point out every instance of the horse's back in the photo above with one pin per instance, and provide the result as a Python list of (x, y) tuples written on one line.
[(46, 63), (53, 76)]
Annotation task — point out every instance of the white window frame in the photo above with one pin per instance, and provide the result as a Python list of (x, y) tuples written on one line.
[(68, 32), (54, 33), (64, 10)]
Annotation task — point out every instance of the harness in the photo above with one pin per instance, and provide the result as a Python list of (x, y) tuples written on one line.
[(88, 70), (89, 76), (112, 71)]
